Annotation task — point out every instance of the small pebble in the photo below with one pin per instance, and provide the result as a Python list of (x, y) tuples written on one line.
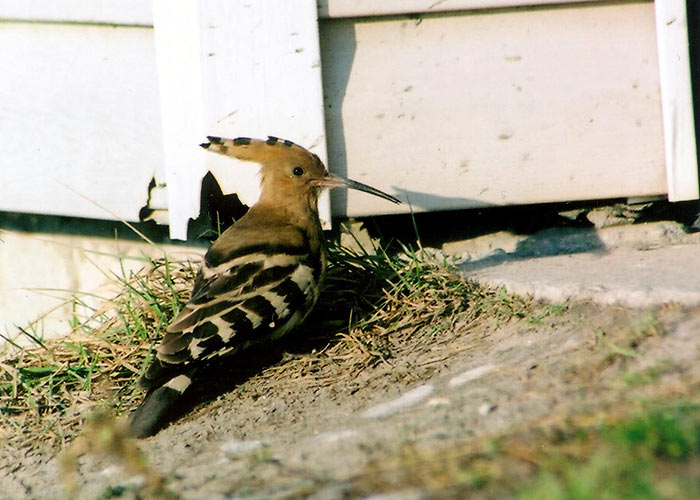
[(470, 375), (411, 398), (234, 446)]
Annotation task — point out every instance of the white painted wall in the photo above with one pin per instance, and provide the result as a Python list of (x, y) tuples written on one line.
[(367, 8), (115, 12), (489, 109), (79, 118), (507, 106)]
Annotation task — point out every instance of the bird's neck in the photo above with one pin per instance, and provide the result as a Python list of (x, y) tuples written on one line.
[(303, 216), (300, 211)]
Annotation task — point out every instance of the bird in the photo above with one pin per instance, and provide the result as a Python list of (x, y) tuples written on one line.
[(257, 282)]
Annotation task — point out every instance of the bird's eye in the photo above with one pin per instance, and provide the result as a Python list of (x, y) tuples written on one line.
[(298, 171)]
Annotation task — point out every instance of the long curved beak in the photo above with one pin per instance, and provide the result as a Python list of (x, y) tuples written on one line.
[(335, 181)]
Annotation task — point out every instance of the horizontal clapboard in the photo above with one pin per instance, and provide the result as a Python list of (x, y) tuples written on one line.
[(80, 127), (139, 12)]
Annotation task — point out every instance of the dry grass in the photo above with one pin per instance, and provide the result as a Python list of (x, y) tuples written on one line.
[(47, 390), (369, 303), (103, 435)]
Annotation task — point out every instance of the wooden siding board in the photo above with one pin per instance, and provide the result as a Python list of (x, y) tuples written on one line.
[(122, 12), (80, 119), (138, 12), (369, 8), (263, 77), (506, 108), (177, 38), (677, 100)]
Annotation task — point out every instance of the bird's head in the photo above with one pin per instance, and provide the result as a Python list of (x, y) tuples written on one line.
[(287, 170)]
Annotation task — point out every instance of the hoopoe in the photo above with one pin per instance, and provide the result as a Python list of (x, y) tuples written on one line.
[(258, 281)]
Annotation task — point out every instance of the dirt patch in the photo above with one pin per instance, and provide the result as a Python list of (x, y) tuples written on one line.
[(335, 428)]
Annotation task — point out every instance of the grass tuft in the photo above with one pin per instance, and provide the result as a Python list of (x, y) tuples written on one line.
[(48, 389), (369, 303)]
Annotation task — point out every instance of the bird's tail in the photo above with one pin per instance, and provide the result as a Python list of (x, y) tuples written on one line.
[(154, 411)]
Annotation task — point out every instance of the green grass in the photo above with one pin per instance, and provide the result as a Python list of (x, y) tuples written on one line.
[(649, 455), (654, 455), (645, 376), (537, 316)]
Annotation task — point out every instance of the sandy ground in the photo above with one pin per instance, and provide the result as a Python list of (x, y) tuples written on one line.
[(317, 434), (331, 432)]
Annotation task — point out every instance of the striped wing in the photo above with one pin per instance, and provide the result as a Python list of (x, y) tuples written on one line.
[(255, 293), (255, 296)]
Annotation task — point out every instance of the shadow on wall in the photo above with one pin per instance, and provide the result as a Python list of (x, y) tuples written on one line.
[(82, 227), (337, 55), (429, 201), (217, 211), (416, 200)]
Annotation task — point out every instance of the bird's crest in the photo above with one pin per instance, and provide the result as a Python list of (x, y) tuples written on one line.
[(256, 150)]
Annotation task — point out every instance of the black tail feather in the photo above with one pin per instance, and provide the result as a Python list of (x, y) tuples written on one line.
[(151, 416), (157, 407)]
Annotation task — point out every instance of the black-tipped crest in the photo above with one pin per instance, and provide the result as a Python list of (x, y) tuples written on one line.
[(272, 140)]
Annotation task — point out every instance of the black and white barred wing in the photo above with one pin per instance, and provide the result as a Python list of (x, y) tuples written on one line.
[(261, 293)]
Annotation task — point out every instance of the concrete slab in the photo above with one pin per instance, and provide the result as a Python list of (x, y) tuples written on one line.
[(634, 266), (49, 280)]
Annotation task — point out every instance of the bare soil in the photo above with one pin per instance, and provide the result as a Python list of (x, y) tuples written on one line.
[(331, 429)]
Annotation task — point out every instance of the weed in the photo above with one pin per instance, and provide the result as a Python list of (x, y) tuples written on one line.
[(646, 376), (546, 310), (104, 435), (47, 390)]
